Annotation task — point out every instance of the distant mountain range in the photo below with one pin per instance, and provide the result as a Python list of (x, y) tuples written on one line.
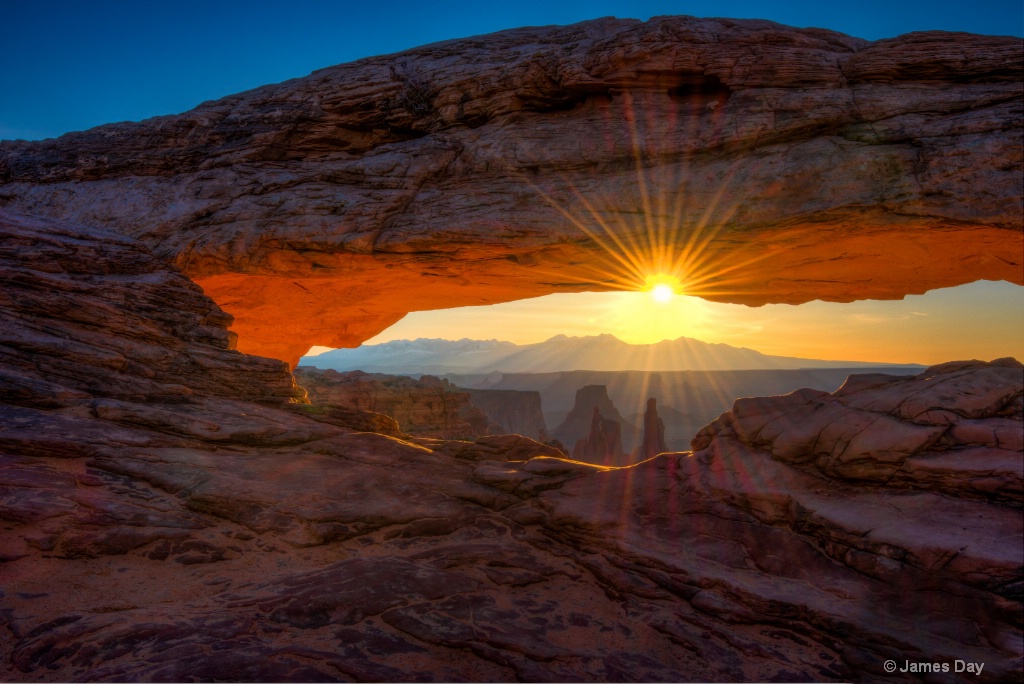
[(560, 353)]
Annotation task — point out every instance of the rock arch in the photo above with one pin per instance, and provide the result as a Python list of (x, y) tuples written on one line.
[(785, 164)]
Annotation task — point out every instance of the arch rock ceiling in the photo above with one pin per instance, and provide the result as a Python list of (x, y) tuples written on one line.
[(759, 162)]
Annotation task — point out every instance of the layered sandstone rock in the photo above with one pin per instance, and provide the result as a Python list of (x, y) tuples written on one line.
[(956, 428), (87, 315), (511, 411), (149, 534), (603, 444), (653, 442), (428, 407), (322, 209), (579, 423)]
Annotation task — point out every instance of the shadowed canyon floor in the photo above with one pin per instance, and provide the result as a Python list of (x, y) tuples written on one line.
[(758, 162), (168, 512)]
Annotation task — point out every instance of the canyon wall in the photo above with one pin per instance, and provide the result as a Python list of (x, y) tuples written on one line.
[(579, 423), (511, 411), (602, 445), (89, 315), (428, 407), (757, 162)]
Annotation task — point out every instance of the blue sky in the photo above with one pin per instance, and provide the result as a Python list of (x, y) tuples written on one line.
[(68, 66)]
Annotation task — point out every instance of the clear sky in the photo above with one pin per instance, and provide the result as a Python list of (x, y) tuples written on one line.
[(70, 65)]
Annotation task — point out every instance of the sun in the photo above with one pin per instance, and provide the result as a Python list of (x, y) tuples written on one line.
[(662, 293), (663, 288)]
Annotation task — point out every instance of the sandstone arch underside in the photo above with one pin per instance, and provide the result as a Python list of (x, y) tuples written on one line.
[(763, 163)]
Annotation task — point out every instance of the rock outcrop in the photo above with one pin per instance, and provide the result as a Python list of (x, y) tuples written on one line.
[(579, 424), (322, 209), (653, 442), (956, 428), (87, 315), (153, 528), (427, 407), (511, 411), (603, 444)]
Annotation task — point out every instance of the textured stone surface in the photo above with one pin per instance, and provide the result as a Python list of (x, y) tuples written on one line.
[(428, 407), (87, 312), (653, 442), (204, 537), (788, 164), (956, 428), (603, 443), (512, 411), (579, 423)]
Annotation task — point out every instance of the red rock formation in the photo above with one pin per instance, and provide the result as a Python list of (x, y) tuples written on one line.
[(151, 528), (579, 423), (428, 407), (805, 163), (511, 411), (654, 432), (956, 428), (89, 313), (603, 444)]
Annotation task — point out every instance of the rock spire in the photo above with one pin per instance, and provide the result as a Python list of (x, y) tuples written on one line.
[(654, 432)]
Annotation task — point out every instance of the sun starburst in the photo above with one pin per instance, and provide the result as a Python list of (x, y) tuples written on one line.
[(666, 236)]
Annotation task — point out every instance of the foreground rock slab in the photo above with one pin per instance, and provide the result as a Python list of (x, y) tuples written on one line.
[(155, 535)]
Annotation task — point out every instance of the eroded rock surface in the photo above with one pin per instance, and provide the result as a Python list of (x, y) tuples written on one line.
[(187, 535), (512, 411), (86, 312), (322, 209), (603, 444), (427, 407), (956, 428), (580, 421), (653, 442)]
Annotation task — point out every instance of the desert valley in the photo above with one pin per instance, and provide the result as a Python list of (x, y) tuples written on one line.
[(556, 385), (209, 471)]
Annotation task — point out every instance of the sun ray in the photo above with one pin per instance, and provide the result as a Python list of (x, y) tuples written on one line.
[(667, 236)]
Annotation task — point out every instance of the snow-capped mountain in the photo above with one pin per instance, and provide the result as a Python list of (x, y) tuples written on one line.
[(560, 353)]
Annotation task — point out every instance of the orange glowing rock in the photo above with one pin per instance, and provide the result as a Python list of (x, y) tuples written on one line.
[(761, 163)]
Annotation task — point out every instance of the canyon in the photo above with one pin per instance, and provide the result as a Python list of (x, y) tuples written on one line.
[(173, 506), (427, 406), (516, 412), (703, 394), (170, 509), (592, 415)]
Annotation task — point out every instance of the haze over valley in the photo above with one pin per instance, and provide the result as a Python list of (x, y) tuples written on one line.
[(692, 381), (560, 353)]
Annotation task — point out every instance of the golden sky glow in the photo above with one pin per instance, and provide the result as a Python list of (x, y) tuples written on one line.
[(982, 320)]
